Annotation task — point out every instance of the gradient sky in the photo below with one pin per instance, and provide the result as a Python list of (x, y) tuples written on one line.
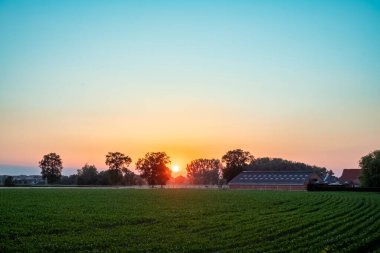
[(298, 80)]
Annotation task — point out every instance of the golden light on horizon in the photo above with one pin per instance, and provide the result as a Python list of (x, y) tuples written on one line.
[(175, 168)]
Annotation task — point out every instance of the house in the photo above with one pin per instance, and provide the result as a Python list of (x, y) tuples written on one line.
[(274, 180), (350, 177)]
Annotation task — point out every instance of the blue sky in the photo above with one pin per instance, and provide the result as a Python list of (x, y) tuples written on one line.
[(293, 79)]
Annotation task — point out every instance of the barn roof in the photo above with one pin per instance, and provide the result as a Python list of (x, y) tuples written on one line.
[(350, 175), (272, 177)]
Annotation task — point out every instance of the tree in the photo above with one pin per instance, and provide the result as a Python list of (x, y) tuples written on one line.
[(235, 161), (115, 177), (104, 177), (9, 181), (129, 178), (87, 175), (153, 168), (51, 167), (69, 180), (370, 169), (117, 162), (204, 171)]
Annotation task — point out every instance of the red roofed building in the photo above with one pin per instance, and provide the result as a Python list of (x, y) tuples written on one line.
[(351, 176)]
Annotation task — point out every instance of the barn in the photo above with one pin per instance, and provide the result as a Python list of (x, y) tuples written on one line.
[(351, 177), (274, 180)]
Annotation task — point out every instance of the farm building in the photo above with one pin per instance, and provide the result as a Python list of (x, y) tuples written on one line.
[(24, 180), (274, 180), (330, 179), (350, 176)]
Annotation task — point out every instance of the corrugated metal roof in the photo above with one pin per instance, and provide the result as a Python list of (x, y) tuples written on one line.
[(272, 177)]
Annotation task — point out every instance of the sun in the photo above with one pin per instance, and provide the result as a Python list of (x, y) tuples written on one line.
[(175, 168)]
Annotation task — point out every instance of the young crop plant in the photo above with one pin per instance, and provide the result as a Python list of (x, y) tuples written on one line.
[(127, 220)]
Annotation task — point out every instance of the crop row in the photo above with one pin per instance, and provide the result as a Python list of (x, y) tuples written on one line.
[(187, 221)]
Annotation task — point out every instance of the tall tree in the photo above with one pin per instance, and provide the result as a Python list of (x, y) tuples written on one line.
[(235, 161), (370, 169), (51, 167), (204, 171), (87, 175), (154, 168), (117, 162)]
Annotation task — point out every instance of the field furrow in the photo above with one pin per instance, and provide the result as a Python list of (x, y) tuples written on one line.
[(125, 220)]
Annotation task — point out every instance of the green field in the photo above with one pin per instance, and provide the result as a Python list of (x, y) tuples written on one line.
[(169, 220)]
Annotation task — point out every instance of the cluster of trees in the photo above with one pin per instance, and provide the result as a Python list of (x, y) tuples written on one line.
[(89, 175), (154, 170), (204, 171), (278, 164), (370, 169), (235, 160), (9, 181)]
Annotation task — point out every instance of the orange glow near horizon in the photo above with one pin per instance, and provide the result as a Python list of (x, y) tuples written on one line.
[(175, 168), (181, 151)]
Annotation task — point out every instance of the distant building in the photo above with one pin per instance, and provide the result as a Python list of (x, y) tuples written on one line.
[(2, 179), (274, 180), (351, 177), (330, 179), (24, 180)]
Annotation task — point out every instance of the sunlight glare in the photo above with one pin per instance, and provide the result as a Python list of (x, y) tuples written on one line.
[(175, 168)]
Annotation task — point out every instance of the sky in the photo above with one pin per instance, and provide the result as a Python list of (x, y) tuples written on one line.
[(293, 79)]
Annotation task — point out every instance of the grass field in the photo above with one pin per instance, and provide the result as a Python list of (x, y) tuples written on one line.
[(125, 220)]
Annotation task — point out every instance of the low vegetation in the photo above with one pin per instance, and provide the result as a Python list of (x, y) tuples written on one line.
[(159, 220)]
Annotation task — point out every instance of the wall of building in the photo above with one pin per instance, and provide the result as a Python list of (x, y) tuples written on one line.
[(270, 187)]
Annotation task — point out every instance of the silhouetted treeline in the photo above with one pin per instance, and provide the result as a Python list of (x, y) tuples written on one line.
[(90, 176), (154, 169), (200, 171), (278, 164)]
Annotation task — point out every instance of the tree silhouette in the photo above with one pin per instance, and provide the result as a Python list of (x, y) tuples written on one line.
[(279, 164), (204, 171), (370, 169), (129, 178), (9, 181), (153, 168), (51, 167), (117, 162), (235, 161), (87, 175)]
